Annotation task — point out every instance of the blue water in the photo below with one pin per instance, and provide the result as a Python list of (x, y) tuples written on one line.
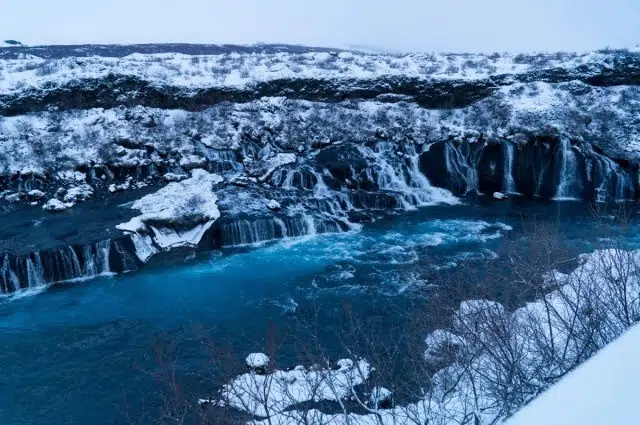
[(78, 353)]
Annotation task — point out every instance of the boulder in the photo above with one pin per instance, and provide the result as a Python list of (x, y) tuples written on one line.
[(499, 196), (258, 361), (35, 195), (54, 205), (14, 197), (78, 194), (274, 205), (381, 398)]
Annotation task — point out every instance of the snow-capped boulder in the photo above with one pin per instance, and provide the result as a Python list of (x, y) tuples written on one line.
[(499, 196), (71, 176), (149, 122), (439, 343), (78, 194), (345, 364), (288, 388), (113, 188), (257, 361), (274, 205), (381, 398), (189, 161), (14, 197), (194, 134), (55, 205), (173, 177), (264, 168), (35, 195), (177, 215)]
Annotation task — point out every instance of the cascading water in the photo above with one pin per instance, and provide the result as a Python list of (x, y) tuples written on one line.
[(41, 268), (568, 176), (463, 164), (509, 182), (536, 169), (35, 272), (9, 282), (613, 182), (96, 259), (398, 172)]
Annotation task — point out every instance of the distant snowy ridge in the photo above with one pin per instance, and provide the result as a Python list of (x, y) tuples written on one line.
[(183, 81)]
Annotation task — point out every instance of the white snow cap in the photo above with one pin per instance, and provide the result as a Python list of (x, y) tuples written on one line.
[(54, 205), (499, 196), (36, 194), (380, 395), (273, 205), (257, 360)]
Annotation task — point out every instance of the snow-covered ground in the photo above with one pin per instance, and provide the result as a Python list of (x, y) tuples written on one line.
[(235, 70), (44, 141), (603, 390), (264, 395)]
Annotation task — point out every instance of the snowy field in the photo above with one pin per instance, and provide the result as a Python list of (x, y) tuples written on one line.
[(245, 70)]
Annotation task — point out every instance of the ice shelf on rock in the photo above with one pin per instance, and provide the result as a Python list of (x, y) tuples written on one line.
[(177, 215)]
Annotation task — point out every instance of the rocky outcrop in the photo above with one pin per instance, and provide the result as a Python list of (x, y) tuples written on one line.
[(545, 167)]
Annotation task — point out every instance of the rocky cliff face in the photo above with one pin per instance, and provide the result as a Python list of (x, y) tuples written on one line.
[(233, 148)]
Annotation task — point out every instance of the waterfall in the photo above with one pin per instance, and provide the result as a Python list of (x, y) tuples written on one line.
[(311, 225), (96, 259), (250, 231), (103, 250), (568, 172), (509, 182), (614, 182), (429, 194), (90, 268), (462, 165), (283, 227), (247, 231), (399, 173), (35, 272), (9, 282), (68, 265), (59, 265)]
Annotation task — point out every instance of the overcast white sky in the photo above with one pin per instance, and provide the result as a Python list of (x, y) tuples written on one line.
[(417, 25)]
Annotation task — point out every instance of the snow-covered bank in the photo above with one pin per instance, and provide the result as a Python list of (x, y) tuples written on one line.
[(501, 360), (265, 395), (601, 391)]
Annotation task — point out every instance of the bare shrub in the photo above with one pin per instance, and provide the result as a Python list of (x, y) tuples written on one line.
[(47, 68)]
